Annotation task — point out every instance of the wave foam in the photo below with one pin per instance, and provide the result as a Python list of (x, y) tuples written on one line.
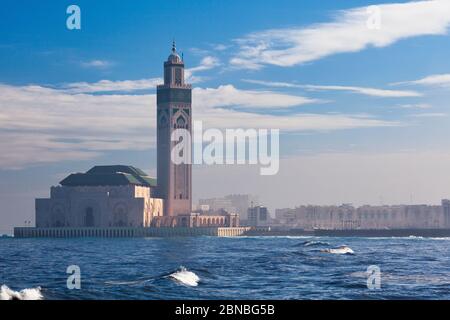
[(185, 277), (26, 294), (315, 243), (340, 250)]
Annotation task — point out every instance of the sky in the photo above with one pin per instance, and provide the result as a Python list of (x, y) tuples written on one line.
[(359, 90)]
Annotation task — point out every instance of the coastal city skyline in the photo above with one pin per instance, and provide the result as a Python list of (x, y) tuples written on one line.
[(363, 119)]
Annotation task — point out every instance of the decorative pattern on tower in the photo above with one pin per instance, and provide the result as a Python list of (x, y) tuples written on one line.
[(174, 111)]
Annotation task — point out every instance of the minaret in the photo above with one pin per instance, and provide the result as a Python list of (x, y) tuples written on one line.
[(174, 111)]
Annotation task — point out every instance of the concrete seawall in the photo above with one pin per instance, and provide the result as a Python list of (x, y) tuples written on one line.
[(28, 232)]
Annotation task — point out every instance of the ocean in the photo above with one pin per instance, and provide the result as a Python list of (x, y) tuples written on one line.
[(226, 268)]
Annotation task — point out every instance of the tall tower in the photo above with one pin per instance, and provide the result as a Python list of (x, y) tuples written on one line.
[(174, 111)]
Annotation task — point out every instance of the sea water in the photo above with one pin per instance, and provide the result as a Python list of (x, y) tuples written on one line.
[(225, 268)]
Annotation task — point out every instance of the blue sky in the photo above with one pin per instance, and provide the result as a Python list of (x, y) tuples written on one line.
[(340, 92)]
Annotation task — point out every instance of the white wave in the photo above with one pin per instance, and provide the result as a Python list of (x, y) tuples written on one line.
[(185, 277), (416, 237), (340, 250), (315, 243), (26, 294)]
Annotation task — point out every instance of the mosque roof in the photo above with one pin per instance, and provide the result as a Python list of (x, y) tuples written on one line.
[(116, 175)]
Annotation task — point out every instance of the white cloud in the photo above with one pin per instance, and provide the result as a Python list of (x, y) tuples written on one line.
[(291, 123), (228, 95), (368, 91), (220, 47), (439, 80), (99, 64), (47, 125), (348, 32), (272, 84), (374, 92), (40, 125), (206, 63), (108, 85)]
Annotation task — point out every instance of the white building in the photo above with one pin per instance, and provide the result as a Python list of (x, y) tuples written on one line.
[(104, 196)]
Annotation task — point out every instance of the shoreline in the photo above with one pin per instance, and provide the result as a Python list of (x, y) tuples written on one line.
[(30, 232)]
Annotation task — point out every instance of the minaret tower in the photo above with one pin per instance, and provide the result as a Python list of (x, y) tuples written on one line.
[(174, 111)]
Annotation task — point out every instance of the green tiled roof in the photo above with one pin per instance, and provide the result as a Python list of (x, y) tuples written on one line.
[(116, 175)]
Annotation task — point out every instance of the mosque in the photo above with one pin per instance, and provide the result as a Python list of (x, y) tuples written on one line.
[(121, 200)]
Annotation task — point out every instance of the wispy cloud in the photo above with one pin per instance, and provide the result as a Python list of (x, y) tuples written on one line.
[(206, 63), (374, 92), (220, 47), (97, 64), (108, 85), (438, 80), (228, 95), (348, 32)]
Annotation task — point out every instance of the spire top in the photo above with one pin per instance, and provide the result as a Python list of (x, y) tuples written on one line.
[(174, 57), (174, 46)]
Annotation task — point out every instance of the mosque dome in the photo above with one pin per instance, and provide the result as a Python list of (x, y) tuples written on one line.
[(174, 57)]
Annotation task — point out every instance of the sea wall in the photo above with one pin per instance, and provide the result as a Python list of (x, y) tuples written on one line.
[(126, 232)]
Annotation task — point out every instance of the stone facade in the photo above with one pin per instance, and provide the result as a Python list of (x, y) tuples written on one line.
[(98, 206), (174, 112), (129, 232), (197, 220), (104, 196)]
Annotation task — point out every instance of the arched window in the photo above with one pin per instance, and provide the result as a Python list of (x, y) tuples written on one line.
[(181, 122)]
